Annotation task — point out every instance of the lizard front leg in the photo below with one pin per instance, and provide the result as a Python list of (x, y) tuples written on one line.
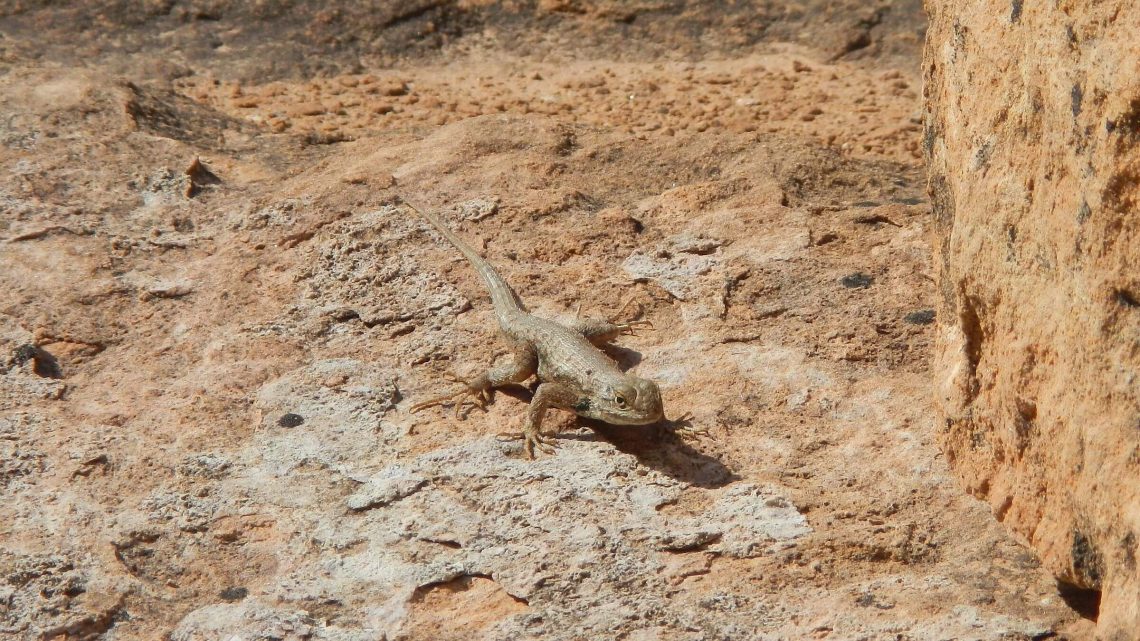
[(548, 395)]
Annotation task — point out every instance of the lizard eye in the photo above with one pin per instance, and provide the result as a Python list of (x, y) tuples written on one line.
[(620, 400)]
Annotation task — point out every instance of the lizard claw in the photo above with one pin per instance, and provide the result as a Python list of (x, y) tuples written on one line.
[(629, 328), (531, 442), (544, 444), (478, 401)]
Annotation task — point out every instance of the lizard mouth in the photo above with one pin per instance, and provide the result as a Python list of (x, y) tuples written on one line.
[(634, 418)]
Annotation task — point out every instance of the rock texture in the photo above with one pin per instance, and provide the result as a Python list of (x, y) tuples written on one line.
[(1033, 142), (214, 317)]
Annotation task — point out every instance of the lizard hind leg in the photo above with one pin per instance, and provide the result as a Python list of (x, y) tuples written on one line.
[(629, 327), (522, 364), (600, 332), (624, 306), (478, 390), (603, 331)]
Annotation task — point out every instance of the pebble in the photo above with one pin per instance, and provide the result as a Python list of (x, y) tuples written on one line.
[(306, 109), (290, 420), (920, 317), (233, 594), (858, 280)]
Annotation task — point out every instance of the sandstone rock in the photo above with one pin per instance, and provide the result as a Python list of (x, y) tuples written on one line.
[(48, 595), (382, 491), (1032, 124), (201, 453)]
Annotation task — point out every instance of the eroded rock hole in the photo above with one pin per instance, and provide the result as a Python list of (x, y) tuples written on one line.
[(43, 363), (1083, 601), (971, 325), (1127, 298)]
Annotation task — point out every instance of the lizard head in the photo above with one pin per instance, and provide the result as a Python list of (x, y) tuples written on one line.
[(635, 401)]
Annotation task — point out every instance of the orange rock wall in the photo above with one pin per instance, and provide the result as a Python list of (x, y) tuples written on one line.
[(1033, 143)]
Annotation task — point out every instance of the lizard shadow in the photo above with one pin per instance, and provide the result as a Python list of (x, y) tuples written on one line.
[(655, 446), (658, 447), (626, 359)]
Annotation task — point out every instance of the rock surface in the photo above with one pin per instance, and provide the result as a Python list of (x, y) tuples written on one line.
[(1033, 120), (214, 317)]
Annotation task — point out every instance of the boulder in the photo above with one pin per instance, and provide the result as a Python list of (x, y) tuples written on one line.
[(1032, 137)]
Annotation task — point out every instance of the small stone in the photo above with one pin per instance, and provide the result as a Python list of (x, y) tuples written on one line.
[(200, 177), (394, 88), (24, 353), (335, 381), (827, 237), (233, 594), (290, 420), (687, 541), (44, 364), (167, 289), (383, 491), (479, 208), (306, 109), (858, 280), (921, 317)]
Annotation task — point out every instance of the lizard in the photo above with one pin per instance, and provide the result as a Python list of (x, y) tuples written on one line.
[(572, 371)]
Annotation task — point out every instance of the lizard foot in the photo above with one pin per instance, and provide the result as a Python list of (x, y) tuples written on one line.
[(531, 442), (480, 396), (629, 328)]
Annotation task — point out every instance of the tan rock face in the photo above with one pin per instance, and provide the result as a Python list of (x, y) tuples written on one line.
[(1032, 125)]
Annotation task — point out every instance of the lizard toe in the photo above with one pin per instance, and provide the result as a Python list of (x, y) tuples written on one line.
[(629, 328), (533, 442)]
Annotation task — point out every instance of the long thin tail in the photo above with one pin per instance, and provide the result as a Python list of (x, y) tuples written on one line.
[(504, 299)]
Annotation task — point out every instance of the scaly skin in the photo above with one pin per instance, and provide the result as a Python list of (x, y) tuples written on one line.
[(573, 373)]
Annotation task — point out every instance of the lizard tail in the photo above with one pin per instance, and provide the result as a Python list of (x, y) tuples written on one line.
[(504, 299)]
